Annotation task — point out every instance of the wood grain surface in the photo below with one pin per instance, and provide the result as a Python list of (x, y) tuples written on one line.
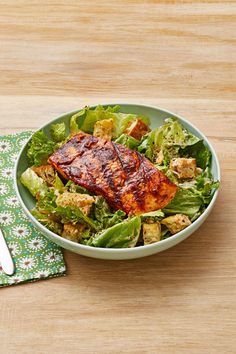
[(57, 56)]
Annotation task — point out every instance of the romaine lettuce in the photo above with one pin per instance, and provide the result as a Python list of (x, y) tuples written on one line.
[(85, 238), (94, 115), (193, 196), (114, 219), (85, 119), (200, 152), (104, 216), (122, 235), (33, 182), (47, 202), (153, 215), (47, 205), (74, 215), (122, 120), (169, 138), (185, 202), (75, 188), (58, 184), (76, 121), (40, 148), (206, 185), (101, 209), (51, 224), (165, 233), (203, 186), (128, 141), (58, 132)]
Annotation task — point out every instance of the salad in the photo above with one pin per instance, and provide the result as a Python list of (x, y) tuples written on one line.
[(82, 206)]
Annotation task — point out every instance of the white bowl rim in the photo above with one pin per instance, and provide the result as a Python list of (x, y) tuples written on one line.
[(121, 250)]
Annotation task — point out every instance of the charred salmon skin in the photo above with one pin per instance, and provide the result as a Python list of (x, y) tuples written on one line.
[(125, 178)]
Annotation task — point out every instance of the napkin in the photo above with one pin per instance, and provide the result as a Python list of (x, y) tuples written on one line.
[(34, 256)]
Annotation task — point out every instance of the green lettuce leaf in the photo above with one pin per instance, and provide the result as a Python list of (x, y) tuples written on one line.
[(122, 120), (185, 202), (34, 183), (153, 215), (114, 219), (165, 233), (40, 148), (75, 188), (75, 215), (91, 116), (85, 119), (52, 225), (86, 237), (101, 209), (58, 184), (47, 202), (128, 141), (200, 152), (169, 138), (76, 121), (58, 132), (104, 216), (47, 206), (204, 186), (122, 235)]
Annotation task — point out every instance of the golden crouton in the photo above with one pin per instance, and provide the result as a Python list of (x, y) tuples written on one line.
[(183, 167), (46, 172), (73, 232), (104, 129), (176, 223), (137, 129), (151, 233), (81, 201), (159, 157)]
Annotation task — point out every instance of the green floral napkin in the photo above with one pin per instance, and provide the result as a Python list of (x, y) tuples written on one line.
[(34, 256)]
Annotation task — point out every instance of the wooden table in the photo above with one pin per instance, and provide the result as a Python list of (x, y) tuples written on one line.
[(61, 55)]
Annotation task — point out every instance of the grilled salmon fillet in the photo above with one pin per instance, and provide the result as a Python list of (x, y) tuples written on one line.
[(125, 178)]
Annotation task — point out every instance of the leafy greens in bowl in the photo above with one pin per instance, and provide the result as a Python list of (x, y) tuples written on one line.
[(84, 218)]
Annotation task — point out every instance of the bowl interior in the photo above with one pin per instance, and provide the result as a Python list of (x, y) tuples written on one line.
[(157, 117)]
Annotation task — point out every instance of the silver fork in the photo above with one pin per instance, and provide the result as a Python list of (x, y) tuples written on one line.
[(5, 256)]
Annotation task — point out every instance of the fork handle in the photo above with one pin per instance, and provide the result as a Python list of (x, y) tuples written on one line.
[(5, 256)]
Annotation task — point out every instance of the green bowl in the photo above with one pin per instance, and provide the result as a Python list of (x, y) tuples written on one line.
[(157, 116)]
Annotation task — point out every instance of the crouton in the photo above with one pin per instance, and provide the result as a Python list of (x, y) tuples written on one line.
[(137, 129), (72, 232), (198, 171), (46, 172), (104, 129), (81, 201), (183, 168), (176, 223), (159, 157), (151, 233)]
